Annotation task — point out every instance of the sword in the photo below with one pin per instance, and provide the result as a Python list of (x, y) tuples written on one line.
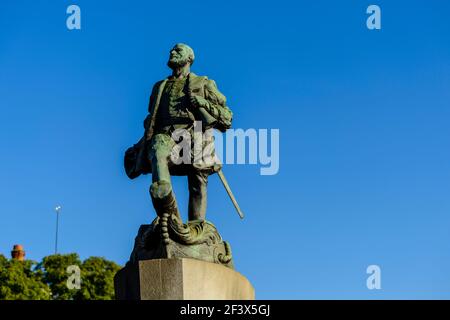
[(230, 194)]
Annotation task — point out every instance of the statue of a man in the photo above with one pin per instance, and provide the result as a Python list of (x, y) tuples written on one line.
[(179, 102)]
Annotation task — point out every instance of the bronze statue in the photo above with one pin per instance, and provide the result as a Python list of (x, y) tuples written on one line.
[(182, 102), (176, 103)]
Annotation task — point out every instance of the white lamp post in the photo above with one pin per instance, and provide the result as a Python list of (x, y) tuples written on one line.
[(58, 210)]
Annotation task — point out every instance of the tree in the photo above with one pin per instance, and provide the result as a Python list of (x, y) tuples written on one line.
[(55, 275), (21, 280), (97, 279), (48, 279)]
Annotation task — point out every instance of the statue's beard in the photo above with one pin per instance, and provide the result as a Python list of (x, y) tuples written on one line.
[(175, 63)]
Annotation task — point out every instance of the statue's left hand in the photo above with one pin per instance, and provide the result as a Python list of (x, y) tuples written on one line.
[(198, 102)]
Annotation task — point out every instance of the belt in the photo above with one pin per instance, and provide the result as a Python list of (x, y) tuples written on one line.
[(169, 129)]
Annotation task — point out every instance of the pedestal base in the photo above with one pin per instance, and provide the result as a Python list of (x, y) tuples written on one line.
[(181, 279)]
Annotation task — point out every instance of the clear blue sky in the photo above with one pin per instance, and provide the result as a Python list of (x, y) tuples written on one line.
[(364, 135)]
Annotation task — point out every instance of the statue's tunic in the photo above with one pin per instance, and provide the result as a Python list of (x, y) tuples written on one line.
[(173, 107)]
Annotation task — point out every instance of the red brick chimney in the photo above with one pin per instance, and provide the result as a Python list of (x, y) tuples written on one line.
[(18, 253)]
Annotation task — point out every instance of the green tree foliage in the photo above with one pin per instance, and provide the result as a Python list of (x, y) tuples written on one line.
[(48, 279), (54, 270), (21, 280), (97, 279)]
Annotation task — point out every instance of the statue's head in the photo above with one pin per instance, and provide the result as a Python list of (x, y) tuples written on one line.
[(180, 55)]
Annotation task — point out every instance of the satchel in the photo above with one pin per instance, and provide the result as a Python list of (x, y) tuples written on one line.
[(135, 162)]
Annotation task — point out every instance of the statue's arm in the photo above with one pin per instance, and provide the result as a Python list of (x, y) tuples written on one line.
[(216, 106), (151, 104)]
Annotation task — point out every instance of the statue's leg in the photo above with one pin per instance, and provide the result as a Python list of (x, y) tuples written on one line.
[(198, 182), (161, 192), (160, 148)]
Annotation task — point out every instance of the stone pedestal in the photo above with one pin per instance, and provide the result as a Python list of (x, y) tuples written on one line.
[(181, 279)]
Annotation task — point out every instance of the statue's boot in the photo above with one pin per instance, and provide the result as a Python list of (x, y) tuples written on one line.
[(163, 199)]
